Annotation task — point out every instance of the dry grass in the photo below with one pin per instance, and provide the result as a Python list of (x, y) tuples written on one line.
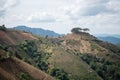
[(12, 67), (12, 37)]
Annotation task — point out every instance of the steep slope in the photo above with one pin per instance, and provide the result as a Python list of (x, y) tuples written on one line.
[(64, 57), (10, 37), (97, 54), (13, 68), (37, 31)]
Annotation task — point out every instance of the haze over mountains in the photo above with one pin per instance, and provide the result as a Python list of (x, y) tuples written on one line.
[(75, 56), (37, 31), (115, 39)]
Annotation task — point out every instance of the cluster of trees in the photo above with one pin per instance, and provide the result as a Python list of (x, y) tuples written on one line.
[(59, 74), (78, 30), (7, 54), (29, 47), (25, 76), (41, 60), (106, 69), (3, 28)]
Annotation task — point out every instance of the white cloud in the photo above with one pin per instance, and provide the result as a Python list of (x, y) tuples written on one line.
[(114, 5), (87, 8), (6, 5), (98, 15), (41, 17)]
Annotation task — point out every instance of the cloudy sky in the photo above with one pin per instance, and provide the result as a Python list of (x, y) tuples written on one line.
[(100, 16)]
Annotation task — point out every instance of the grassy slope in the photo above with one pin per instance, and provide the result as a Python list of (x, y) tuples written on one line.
[(72, 64), (75, 67), (11, 68)]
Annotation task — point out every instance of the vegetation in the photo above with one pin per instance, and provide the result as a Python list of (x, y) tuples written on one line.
[(59, 74), (78, 30), (106, 69), (25, 76), (29, 47), (3, 28), (61, 58)]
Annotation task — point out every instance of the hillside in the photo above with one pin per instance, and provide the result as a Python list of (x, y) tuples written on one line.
[(94, 52), (37, 31), (75, 56), (15, 69), (12, 36), (12, 68)]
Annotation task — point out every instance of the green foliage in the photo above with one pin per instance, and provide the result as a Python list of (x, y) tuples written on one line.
[(25, 76), (89, 77), (2, 58), (106, 69), (59, 74), (3, 28), (41, 60), (111, 47), (76, 30), (29, 47), (4, 47)]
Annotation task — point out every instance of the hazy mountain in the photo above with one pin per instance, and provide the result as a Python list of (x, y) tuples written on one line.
[(37, 31), (110, 39), (115, 39), (107, 35)]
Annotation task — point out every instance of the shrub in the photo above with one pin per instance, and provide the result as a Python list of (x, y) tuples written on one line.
[(25, 76)]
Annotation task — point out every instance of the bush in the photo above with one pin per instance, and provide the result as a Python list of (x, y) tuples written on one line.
[(59, 74), (3, 28), (25, 76)]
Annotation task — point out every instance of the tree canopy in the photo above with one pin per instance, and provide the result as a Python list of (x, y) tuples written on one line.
[(78, 30), (3, 28)]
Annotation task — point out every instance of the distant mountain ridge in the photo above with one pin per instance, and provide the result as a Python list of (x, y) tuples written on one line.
[(113, 38), (110, 39), (106, 35), (37, 31)]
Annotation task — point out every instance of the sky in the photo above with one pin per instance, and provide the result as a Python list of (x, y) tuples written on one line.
[(100, 16)]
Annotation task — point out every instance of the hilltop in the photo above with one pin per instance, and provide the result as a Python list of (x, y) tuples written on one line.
[(13, 36), (75, 56)]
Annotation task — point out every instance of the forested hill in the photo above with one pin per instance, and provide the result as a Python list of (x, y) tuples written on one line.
[(37, 31)]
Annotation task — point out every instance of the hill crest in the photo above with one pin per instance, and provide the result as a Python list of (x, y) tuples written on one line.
[(10, 36)]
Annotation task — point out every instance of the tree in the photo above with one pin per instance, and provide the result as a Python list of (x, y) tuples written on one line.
[(76, 30), (86, 29), (59, 74), (3, 28)]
